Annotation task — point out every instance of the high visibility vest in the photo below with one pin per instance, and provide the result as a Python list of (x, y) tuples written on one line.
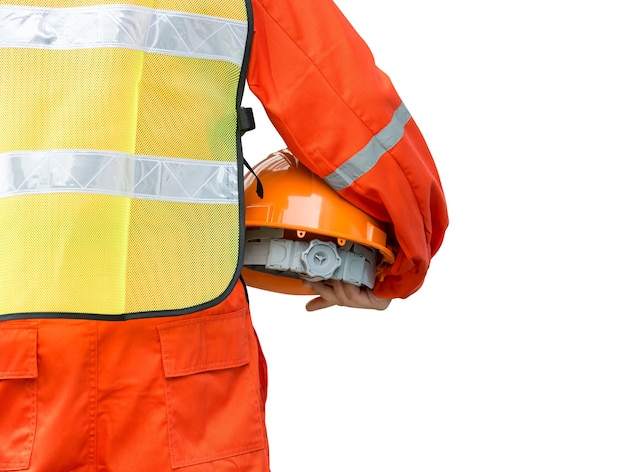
[(120, 156)]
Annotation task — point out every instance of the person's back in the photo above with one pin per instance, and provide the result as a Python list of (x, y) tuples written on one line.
[(124, 326)]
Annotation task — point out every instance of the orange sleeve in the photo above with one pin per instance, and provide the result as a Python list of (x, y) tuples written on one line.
[(321, 89)]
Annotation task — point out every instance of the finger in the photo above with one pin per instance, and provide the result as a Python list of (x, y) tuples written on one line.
[(360, 297), (350, 295), (318, 303), (378, 303), (339, 293), (327, 296), (323, 289)]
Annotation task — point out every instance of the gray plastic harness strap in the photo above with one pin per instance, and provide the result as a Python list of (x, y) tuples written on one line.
[(315, 260)]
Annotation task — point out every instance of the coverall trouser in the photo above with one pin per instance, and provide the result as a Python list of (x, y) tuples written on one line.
[(178, 393)]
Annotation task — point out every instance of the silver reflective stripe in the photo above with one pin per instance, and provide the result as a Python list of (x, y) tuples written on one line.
[(109, 173), (361, 163), (124, 26)]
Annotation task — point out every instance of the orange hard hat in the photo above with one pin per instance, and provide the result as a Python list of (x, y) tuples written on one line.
[(301, 229)]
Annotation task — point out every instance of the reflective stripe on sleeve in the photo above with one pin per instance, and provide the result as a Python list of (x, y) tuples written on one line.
[(109, 173), (359, 164), (124, 26)]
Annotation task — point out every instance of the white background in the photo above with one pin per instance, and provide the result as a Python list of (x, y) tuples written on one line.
[(512, 357)]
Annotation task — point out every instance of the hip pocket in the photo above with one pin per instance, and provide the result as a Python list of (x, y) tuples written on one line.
[(18, 394), (211, 392)]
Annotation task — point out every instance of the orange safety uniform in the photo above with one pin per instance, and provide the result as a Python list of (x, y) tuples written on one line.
[(126, 344)]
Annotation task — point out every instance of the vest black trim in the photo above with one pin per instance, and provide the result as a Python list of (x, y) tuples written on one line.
[(237, 274)]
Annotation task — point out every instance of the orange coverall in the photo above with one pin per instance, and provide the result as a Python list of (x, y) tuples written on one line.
[(188, 392)]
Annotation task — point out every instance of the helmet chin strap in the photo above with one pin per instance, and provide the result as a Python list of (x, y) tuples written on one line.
[(259, 184)]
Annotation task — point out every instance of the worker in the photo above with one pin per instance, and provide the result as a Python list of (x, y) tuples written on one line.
[(125, 335)]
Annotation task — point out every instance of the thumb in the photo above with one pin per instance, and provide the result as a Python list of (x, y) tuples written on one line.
[(318, 303)]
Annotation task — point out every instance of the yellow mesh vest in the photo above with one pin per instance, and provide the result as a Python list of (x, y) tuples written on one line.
[(119, 169)]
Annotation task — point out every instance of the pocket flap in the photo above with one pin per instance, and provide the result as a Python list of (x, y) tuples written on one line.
[(203, 344), (18, 351)]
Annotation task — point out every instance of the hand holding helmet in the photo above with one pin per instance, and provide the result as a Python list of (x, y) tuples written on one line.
[(344, 294), (303, 238)]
